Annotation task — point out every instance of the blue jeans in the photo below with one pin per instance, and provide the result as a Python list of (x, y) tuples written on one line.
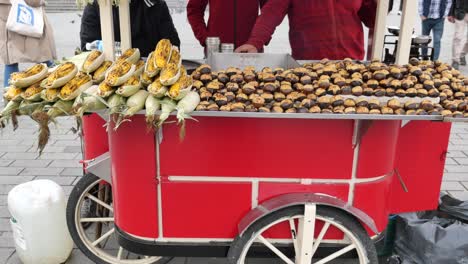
[(437, 28), (11, 68)]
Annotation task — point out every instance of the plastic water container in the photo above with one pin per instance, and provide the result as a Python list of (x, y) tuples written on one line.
[(39, 224)]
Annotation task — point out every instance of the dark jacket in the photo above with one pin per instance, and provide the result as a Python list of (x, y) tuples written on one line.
[(150, 22), (458, 9), (230, 20)]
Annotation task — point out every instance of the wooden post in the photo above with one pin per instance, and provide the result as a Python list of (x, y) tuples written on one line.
[(408, 20), (125, 28), (107, 28), (379, 29)]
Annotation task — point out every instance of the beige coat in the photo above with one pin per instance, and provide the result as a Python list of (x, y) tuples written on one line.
[(16, 48)]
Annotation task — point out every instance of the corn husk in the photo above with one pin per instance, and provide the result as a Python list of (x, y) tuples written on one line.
[(93, 61), (157, 89), (134, 104), (32, 75), (152, 105), (75, 87), (60, 108), (89, 101), (33, 93), (60, 76), (100, 73), (10, 112), (28, 107), (184, 107), (116, 103), (131, 55), (163, 53), (129, 88), (50, 95), (150, 69), (13, 93), (119, 77), (175, 58), (167, 106), (139, 68), (105, 90)]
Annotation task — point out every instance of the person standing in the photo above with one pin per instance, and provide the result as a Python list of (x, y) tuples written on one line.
[(230, 20), (16, 48), (459, 16), (433, 14), (317, 28), (151, 21)]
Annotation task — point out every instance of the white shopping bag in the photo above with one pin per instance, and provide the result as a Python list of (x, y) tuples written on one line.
[(25, 20)]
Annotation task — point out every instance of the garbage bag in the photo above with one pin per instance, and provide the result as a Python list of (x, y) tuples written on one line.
[(431, 237), (454, 207)]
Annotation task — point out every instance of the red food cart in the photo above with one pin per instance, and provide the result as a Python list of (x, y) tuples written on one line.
[(293, 187)]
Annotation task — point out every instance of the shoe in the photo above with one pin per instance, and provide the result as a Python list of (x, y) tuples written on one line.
[(456, 65), (463, 61)]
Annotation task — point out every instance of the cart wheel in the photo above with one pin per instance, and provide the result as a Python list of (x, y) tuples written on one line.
[(300, 249), (90, 221)]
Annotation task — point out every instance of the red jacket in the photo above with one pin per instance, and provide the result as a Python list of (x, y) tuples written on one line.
[(318, 28), (231, 20)]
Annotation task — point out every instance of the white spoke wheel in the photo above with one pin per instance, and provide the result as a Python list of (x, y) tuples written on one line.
[(301, 247), (90, 220)]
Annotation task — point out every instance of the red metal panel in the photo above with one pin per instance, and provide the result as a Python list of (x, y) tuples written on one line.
[(243, 147), (204, 210), (377, 151), (420, 159), (270, 190), (94, 136), (134, 183), (372, 198)]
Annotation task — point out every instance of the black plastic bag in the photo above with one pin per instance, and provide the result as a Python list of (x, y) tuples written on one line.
[(433, 236)]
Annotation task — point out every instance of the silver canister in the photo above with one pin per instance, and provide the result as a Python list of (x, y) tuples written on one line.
[(227, 48), (212, 44)]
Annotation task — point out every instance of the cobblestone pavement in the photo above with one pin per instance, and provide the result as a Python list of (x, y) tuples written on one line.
[(20, 163)]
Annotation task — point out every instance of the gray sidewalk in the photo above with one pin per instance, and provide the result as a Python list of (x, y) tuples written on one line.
[(19, 161)]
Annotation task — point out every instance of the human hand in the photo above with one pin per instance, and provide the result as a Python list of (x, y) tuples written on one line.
[(451, 19), (246, 48), (423, 18)]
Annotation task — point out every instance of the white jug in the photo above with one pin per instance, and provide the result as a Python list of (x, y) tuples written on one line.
[(39, 224)]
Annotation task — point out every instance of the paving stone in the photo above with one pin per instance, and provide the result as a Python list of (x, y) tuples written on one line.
[(5, 253), (5, 142), (67, 143), (14, 259), (72, 149), (61, 180), (4, 212), (450, 161), (58, 156), (5, 163), (4, 226), (14, 148), (458, 147), (66, 137), (78, 258), (10, 171), (41, 171), (453, 176), (15, 179), (3, 199), (47, 149), (459, 141), (66, 164), (460, 195), (31, 163), (2, 153), (456, 154), (72, 172), (67, 190), (20, 155), (452, 186), (455, 168)]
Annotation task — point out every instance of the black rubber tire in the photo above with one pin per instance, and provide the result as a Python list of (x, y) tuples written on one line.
[(73, 201), (338, 215)]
